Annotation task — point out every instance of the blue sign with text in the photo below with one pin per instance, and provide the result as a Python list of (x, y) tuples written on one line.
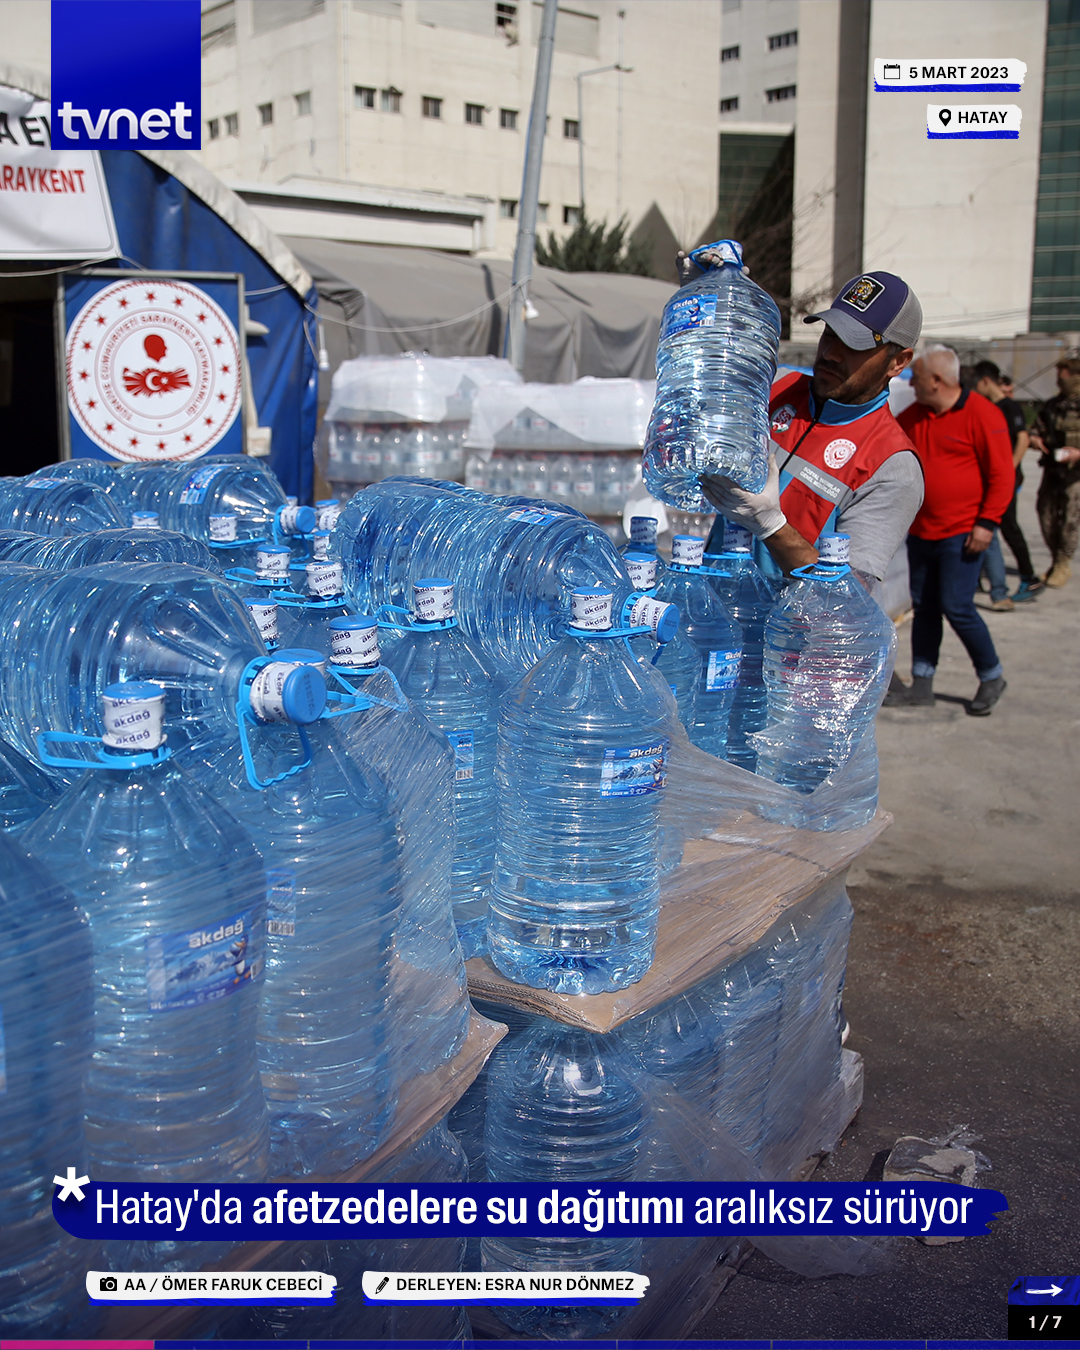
[(126, 74)]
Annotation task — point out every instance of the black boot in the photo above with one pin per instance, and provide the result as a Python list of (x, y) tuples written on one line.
[(986, 696), (919, 694)]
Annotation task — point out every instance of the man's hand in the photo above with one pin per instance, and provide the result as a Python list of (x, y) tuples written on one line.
[(979, 540), (758, 512), (1068, 454)]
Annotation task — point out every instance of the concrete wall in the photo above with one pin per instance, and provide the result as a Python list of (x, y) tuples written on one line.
[(814, 204)]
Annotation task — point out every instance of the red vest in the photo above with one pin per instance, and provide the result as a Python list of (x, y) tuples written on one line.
[(822, 466)]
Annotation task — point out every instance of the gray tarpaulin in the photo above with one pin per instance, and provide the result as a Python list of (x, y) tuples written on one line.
[(401, 299)]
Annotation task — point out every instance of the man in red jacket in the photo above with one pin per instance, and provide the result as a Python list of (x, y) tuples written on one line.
[(963, 443)]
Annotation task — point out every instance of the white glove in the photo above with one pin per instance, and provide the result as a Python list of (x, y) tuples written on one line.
[(758, 512)]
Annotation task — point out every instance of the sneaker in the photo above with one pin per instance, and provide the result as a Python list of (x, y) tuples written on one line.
[(986, 696), (1028, 592), (1002, 606), (1059, 573)]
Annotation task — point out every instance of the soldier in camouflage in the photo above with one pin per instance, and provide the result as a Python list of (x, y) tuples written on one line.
[(1056, 432)]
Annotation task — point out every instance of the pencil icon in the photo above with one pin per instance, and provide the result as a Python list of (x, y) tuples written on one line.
[(382, 1284)]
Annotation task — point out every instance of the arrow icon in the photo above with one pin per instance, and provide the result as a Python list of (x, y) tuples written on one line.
[(1053, 1291), (945, 115)]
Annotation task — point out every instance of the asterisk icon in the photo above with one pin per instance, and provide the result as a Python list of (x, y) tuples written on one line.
[(70, 1185)]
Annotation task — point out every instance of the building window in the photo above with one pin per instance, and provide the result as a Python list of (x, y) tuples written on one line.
[(729, 53), (362, 96), (779, 40), (729, 105), (570, 129), (541, 213), (232, 124), (508, 209), (474, 114), (390, 100), (266, 114), (303, 103), (506, 19), (213, 128), (785, 91), (508, 119), (431, 107), (571, 215)]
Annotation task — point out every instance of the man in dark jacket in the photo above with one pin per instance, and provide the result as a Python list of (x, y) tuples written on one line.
[(1056, 432)]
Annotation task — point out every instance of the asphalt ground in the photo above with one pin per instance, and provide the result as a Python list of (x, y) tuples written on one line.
[(963, 988)]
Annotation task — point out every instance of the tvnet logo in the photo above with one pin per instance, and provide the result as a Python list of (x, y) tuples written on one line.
[(126, 74)]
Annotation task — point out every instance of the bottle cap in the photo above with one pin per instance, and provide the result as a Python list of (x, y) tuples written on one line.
[(134, 715), (265, 614), (736, 537), (145, 520), (326, 514), (590, 609), (355, 642), (222, 529), (834, 548), (643, 529), (324, 579), (433, 600), (290, 689), (688, 550), (292, 500), (272, 562), (294, 519), (320, 545), (644, 612), (642, 569)]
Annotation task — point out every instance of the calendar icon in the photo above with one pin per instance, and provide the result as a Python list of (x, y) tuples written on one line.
[(892, 70)]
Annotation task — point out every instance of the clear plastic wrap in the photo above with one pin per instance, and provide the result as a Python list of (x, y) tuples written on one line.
[(412, 388), (590, 414)]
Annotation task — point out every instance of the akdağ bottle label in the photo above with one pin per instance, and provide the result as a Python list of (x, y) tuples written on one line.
[(686, 312), (433, 600), (289, 517), (134, 720), (590, 609), (197, 484), (327, 515), (642, 572), (267, 695), (736, 537), (634, 771), (42, 484), (535, 517), (324, 579), (834, 548), (145, 520), (280, 902), (222, 529), (688, 550), (722, 671), (648, 613), (643, 529), (185, 970), (462, 744), (272, 563), (355, 645), (266, 620), (320, 545)]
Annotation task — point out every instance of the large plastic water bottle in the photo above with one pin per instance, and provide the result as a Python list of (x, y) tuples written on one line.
[(715, 363), (71, 634), (559, 1110), (305, 619), (227, 546), (583, 741), (677, 660), (430, 998), (676, 1042), (102, 471), (57, 506), (749, 599), (333, 873), (442, 673), (176, 898), (828, 653), (715, 634), (47, 1000), (132, 544), (25, 792), (514, 565)]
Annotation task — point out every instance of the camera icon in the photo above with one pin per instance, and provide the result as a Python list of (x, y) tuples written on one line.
[(107, 1284)]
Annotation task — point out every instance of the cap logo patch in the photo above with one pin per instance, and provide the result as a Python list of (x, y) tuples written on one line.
[(837, 453), (782, 418), (861, 294)]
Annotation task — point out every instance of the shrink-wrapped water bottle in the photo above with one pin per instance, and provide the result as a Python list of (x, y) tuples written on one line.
[(327, 837), (57, 506), (560, 1110), (46, 1007), (179, 625), (677, 660), (430, 1000), (715, 363), (676, 1042), (828, 654), (176, 898), (305, 619), (583, 741), (714, 633), (748, 598), (441, 672)]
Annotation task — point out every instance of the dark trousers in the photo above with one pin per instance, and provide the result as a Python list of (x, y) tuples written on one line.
[(1014, 537), (943, 581)]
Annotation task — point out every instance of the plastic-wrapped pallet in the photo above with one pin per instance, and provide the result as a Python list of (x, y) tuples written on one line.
[(404, 414), (579, 443)]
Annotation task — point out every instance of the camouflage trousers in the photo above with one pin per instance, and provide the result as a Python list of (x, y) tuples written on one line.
[(1058, 506)]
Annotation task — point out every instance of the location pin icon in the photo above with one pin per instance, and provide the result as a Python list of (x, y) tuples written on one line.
[(945, 115)]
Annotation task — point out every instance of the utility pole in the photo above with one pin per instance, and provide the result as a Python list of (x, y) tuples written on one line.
[(514, 346), (599, 70)]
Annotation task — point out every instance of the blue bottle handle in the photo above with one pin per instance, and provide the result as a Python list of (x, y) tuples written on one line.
[(102, 760), (722, 246), (245, 718), (383, 619)]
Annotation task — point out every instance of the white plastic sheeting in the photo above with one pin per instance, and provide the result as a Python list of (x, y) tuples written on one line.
[(413, 388), (590, 414)]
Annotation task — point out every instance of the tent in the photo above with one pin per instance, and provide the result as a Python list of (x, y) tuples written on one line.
[(380, 300)]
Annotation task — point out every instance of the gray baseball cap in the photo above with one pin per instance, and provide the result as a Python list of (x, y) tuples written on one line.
[(871, 308)]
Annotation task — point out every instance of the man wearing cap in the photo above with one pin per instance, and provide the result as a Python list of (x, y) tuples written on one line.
[(840, 461)]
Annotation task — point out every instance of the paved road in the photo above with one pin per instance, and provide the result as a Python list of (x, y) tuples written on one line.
[(963, 988)]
